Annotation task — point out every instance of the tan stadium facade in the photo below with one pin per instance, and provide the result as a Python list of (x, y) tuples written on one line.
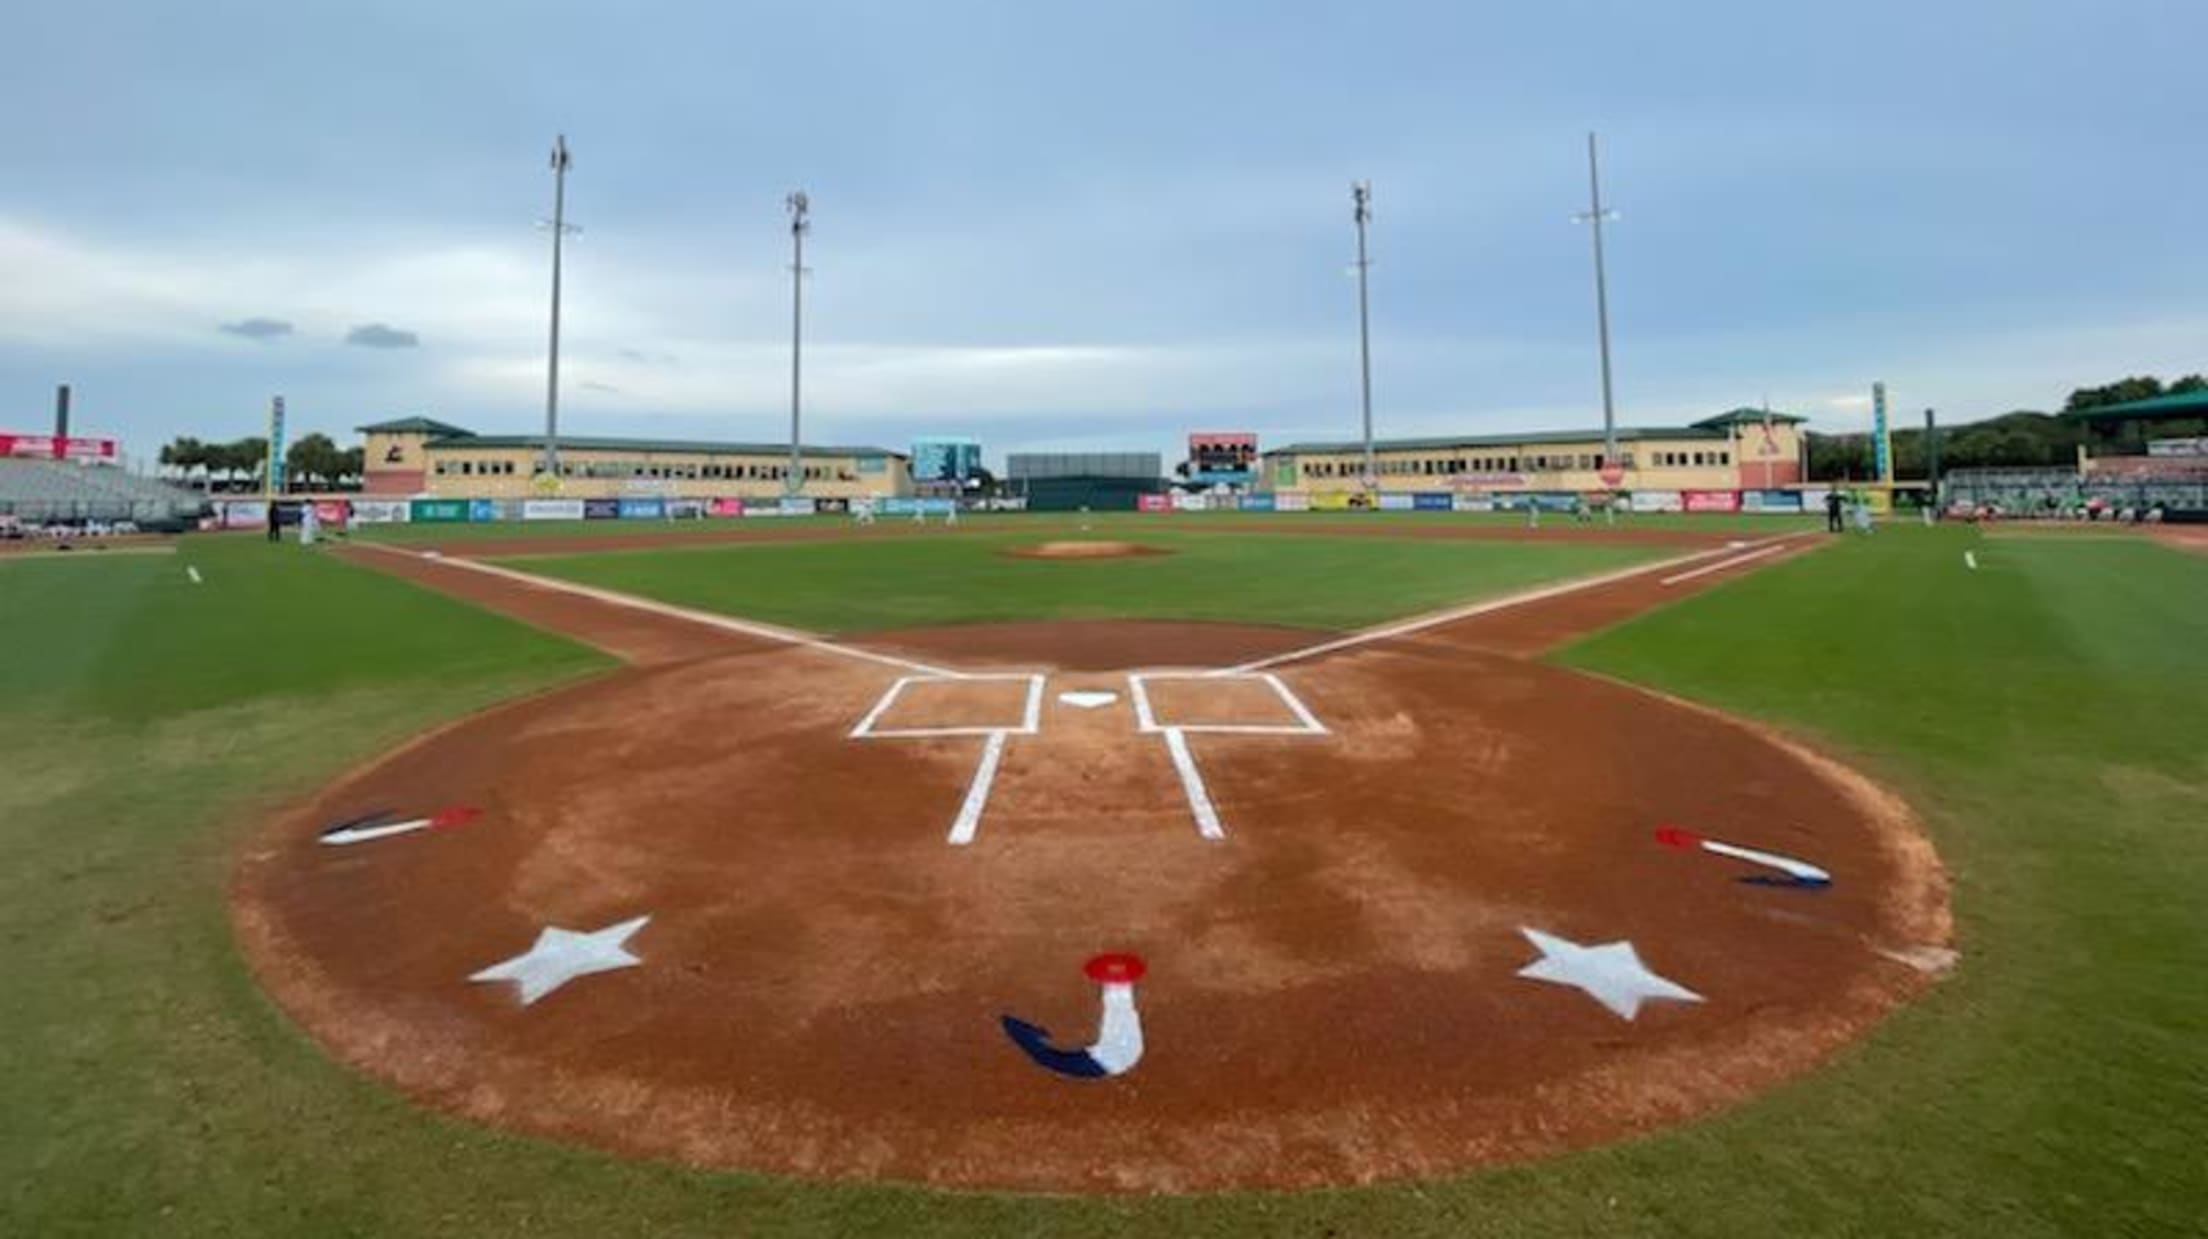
[(422, 456), (1745, 449)]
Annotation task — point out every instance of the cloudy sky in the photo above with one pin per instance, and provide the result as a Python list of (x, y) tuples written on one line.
[(1050, 225)]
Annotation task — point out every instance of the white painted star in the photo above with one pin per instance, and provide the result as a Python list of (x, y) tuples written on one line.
[(561, 955), (1611, 974)]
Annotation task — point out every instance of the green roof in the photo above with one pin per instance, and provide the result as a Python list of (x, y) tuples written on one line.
[(1745, 416), (1626, 434), (2182, 404), (587, 443), (413, 425)]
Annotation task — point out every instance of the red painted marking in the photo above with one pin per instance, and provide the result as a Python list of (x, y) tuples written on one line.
[(1115, 967), (1677, 837), (455, 815)]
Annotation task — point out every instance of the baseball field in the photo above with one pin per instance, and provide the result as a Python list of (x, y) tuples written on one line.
[(1164, 875)]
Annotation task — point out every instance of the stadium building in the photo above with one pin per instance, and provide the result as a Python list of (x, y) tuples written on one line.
[(421, 456), (1745, 449)]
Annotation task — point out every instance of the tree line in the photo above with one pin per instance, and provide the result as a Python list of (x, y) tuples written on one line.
[(2024, 439), (312, 462)]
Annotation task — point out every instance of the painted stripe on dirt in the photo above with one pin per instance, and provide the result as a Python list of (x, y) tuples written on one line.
[(766, 632), (1734, 562), (1192, 782), (977, 792), (1420, 623)]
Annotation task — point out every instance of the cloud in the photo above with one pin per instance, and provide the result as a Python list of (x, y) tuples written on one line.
[(261, 329), (595, 385), (377, 335)]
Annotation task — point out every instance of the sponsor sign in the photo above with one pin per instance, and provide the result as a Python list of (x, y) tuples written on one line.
[(1471, 503), (380, 511), (275, 479), (895, 505), (1391, 502), (1257, 503), (832, 506), (1658, 501), (245, 514), (483, 511), (685, 509), (1431, 501), (1770, 501), (1331, 501), (2177, 447), (725, 507), (1710, 500), (796, 505), (1153, 503), (51, 447), (551, 509), (1882, 442), (437, 511), (331, 511), (601, 509), (1187, 501), (642, 509), (1291, 501), (1813, 498)]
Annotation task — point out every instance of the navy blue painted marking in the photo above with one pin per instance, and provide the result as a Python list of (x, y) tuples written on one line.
[(1771, 879), (1035, 1041), (381, 817)]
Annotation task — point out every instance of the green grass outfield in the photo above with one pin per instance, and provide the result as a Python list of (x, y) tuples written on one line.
[(873, 583), (2043, 712)]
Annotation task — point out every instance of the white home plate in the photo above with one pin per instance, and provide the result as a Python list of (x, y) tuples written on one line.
[(1087, 699)]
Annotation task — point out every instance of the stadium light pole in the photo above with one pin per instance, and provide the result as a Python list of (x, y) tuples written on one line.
[(1360, 194), (800, 208), (560, 229), (1597, 215)]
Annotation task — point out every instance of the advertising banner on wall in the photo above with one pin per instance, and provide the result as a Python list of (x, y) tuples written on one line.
[(1291, 501), (1711, 500), (725, 507), (332, 512), (1471, 503), (796, 505), (1186, 501), (380, 511), (601, 509), (1330, 501), (1392, 502), (51, 447), (1813, 498), (832, 507), (483, 511), (643, 509), (437, 511), (1658, 501), (1153, 503), (1256, 503), (1770, 501), (551, 509), (1433, 501), (685, 509), (245, 514)]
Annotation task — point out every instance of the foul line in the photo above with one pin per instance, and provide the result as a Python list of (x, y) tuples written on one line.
[(1192, 782), (767, 632), (1420, 623), (1718, 567)]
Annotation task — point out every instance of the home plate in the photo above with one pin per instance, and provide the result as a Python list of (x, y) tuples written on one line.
[(1087, 699)]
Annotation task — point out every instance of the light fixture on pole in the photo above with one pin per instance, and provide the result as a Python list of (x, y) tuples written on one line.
[(1596, 214), (1360, 194), (800, 208), (560, 229)]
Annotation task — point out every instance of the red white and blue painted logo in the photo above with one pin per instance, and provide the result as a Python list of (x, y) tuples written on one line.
[(1118, 1044), (383, 823), (1781, 870)]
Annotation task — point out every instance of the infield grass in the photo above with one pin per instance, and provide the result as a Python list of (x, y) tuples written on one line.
[(1300, 581), (2043, 713)]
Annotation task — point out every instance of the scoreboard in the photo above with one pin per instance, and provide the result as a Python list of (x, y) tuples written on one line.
[(1223, 456)]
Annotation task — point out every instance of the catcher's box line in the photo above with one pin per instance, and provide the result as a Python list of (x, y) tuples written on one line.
[(749, 628), (968, 822), (1402, 628), (1200, 804)]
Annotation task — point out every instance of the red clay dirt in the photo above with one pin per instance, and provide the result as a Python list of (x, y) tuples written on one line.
[(1084, 548), (1332, 992)]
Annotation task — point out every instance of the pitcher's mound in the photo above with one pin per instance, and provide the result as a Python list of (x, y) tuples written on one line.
[(1085, 550)]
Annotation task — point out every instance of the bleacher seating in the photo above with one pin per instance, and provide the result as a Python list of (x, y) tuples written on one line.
[(41, 491), (2066, 492)]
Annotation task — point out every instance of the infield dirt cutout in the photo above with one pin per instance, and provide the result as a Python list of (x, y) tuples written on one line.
[(1356, 978)]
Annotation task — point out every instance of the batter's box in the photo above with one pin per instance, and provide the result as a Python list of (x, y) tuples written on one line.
[(969, 705), (1246, 703)]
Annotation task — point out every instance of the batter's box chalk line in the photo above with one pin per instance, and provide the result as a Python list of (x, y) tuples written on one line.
[(968, 822), (1200, 805)]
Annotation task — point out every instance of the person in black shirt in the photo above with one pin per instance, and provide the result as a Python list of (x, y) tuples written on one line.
[(1832, 512)]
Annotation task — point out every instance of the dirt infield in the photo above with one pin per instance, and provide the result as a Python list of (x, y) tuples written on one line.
[(2184, 537), (1084, 549), (1333, 990)]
